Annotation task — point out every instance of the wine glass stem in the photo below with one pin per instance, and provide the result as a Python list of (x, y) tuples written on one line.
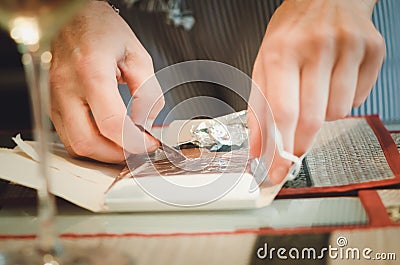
[(37, 65)]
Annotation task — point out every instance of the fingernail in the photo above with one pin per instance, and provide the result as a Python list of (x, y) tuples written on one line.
[(278, 175)]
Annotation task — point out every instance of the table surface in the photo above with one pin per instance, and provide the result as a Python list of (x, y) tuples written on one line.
[(181, 237)]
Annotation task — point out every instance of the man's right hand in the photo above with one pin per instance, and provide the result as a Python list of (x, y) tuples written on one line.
[(91, 55)]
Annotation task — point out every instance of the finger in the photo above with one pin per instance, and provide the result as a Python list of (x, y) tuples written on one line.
[(147, 103), (254, 125), (255, 112), (314, 93), (80, 135), (279, 168), (260, 119), (147, 95), (343, 85), (369, 69), (109, 111), (282, 93)]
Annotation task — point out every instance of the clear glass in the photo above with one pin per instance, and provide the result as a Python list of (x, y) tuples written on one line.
[(33, 24)]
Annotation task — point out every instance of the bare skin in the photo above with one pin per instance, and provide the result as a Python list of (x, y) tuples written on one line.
[(317, 59), (91, 56)]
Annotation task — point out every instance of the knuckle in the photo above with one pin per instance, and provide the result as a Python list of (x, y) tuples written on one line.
[(90, 64), (82, 147), (323, 41), (274, 40), (111, 127), (273, 59), (310, 123), (151, 98), (87, 67), (351, 40), (278, 48), (140, 56), (147, 59), (284, 43), (376, 44), (285, 114), (84, 60)]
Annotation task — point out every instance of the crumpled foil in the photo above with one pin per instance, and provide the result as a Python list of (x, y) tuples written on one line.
[(224, 133), (217, 138)]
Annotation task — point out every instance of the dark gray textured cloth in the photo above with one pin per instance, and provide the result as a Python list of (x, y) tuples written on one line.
[(231, 31)]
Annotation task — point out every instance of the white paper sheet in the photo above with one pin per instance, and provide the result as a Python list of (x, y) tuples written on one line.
[(85, 183)]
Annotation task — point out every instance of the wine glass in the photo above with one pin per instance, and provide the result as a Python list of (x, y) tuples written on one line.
[(33, 24)]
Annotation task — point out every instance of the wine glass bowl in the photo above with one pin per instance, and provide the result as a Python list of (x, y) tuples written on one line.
[(34, 23)]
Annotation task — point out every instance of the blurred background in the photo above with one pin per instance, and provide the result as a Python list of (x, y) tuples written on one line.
[(14, 100)]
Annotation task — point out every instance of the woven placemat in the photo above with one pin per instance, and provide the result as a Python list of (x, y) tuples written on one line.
[(396, 139), (391, 201), (345, 152)]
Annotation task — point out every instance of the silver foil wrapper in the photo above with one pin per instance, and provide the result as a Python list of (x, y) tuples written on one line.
[(224, 133)]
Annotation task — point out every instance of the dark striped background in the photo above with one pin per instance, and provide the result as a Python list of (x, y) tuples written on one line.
[(231, 31)]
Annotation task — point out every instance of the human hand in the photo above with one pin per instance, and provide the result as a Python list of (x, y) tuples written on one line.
[(91, 55), (317, 59)]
